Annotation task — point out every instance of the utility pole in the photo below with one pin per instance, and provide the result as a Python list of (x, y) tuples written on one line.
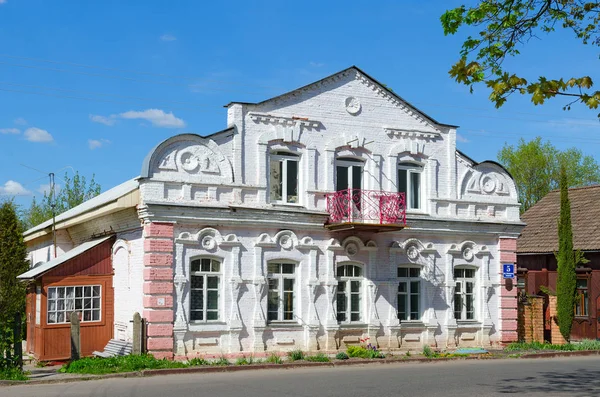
[(53, 205)]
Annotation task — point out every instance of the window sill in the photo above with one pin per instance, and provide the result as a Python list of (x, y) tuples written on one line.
[(199, 326), (412, 324), (465, 324), (276, 204), (283, 325), (353, 325)]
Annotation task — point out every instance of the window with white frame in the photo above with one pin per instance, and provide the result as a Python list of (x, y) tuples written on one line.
[(348, 174), (464, 293), (204, 289), (281, 277), (284, 177), (349, 290), (85, 299), (409, 183), (409, 293)]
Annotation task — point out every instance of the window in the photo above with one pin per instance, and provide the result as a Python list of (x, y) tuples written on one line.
[(409, 292), (349, 293), (409, 183), (281, 278), (284, 177), (581, 300), (62, 301), (204, 293), (464, 294), (348, 174)]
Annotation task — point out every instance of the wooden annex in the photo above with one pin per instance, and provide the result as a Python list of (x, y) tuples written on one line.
[(84, 283)]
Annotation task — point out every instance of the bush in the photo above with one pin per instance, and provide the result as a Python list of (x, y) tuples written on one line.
[(296, 355), (364, 352), (341, 356), (222, 361), (321, 358), (273, 359), (244, 360), (131, 363), (427, 352), (12, 374)]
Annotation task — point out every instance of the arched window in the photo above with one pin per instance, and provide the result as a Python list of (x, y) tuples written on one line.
[(282, 278), (204, 292), (464, 293), (283, 177), (409, 183), (349, 291), (349, 173), (409, 293)]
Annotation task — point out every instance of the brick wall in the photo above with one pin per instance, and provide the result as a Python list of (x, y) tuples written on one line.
[(556, 337), (531, 320), (508, 293)]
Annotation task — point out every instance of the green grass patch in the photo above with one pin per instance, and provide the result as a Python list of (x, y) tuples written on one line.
[(320, 358), (245, 360), (342, 356), (12, 374), (586, 344), (273, 359), (131, 363), (363, 352), (221, 362), (197, 362), (295, 355)]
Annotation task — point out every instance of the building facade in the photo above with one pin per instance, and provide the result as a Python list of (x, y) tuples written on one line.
[(318, 218)]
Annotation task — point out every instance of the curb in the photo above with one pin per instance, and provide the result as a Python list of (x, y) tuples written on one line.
[(253, 367)]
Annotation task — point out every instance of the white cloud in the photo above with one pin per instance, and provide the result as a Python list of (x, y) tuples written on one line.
[(157, 117), (34, 134), (9, 130), (460, 138), (110, 120), (45, 188), (20, 121), (97, 143), (13, 188), (168, 37), (316, 64)]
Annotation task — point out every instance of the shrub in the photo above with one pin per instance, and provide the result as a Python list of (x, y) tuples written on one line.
[(222, 361), (588, 344), (273, 359), (244, 360), (321, 357), (427, 352), (342, 356), (12, 373), (296, 355), (197, 362), (364, 352)]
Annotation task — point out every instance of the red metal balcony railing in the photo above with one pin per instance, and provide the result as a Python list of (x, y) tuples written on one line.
[(366, 206)]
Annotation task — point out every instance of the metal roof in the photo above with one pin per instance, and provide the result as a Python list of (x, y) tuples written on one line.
[(98, 201), (45, 267)]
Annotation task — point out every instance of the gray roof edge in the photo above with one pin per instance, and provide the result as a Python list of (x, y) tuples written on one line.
[(95, 202), (46, 267)]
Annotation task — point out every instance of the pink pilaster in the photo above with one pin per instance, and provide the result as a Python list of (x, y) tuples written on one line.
[(508, 292), (158, 288)]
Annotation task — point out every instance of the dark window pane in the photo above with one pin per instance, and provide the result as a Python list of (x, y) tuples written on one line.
[(341, 303), (457, 306), (414, 287), (469, 301), (273, 268), (196, 300), (288, 284), (581, 283), (402, 287), (195, 266), (96, 315), (78, 292), (402, 307), (216, 266), (469, 288), (292, 181), (414, 307), (357, 271), (459, 273), (197, 281), (287, 268), (341, 286), (210, 315), (469, 273), (356, 177), (354, 302), (87, 315), (402, 181), (212, 282), (415, 272), (402, 272), (95, 290), (354, 286), (341, 316), (205, 266), (355, 317), (341, 180), (196, 315), (212, 300), (415, 199)]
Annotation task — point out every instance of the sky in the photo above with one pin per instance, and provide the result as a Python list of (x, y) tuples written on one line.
[(92, 86)]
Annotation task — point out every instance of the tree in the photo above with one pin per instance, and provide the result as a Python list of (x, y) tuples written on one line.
[(12, 292), (74, 192), (504, 27), (567, 259), (535, 166)]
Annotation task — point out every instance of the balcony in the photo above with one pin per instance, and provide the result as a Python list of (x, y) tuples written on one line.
[(371, 210)]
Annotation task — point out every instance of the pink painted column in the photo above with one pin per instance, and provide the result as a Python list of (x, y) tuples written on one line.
[(508, 294), (158, 288)]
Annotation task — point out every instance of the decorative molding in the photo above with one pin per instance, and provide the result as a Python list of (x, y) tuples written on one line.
[(401, 133), (282, 120), (208, 238)]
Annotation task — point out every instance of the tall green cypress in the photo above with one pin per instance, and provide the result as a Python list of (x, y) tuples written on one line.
[(566, 288), (12, 292)]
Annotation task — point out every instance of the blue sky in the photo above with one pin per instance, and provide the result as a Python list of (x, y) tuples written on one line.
[(94, 85)]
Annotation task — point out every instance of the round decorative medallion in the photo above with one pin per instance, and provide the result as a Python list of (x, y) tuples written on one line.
[(285, 242), (352, 105), (208, 243), (468, 253), (488, 185), (412, 252), (351, 249)]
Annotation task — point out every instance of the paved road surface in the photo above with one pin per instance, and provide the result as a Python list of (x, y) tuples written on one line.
[(573, 377)]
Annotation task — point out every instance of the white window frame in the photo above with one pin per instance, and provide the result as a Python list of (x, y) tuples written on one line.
[(284, 158), (347, 293), (461, 289), (205, 275), (412, 168), (349, 163), (64, 305), (280, 277), (409, 292)]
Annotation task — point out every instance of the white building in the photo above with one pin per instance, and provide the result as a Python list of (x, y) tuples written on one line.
[(245, 246)]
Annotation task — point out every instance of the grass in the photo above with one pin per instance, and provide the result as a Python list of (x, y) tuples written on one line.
[(430, 353), (12, 374), (296, 355), (197, 362), (273, 359), (320, 358), (586, 344), (131, 363), (363, 352), (246, 360)]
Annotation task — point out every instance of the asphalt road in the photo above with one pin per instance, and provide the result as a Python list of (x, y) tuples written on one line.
[(573, 377)]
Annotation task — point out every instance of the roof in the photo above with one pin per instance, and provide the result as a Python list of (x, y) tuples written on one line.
[(98, 201), (541, 233), (355, 68), (46, 267)]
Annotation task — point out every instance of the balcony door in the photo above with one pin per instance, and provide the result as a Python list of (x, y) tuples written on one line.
[(349, 174)]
